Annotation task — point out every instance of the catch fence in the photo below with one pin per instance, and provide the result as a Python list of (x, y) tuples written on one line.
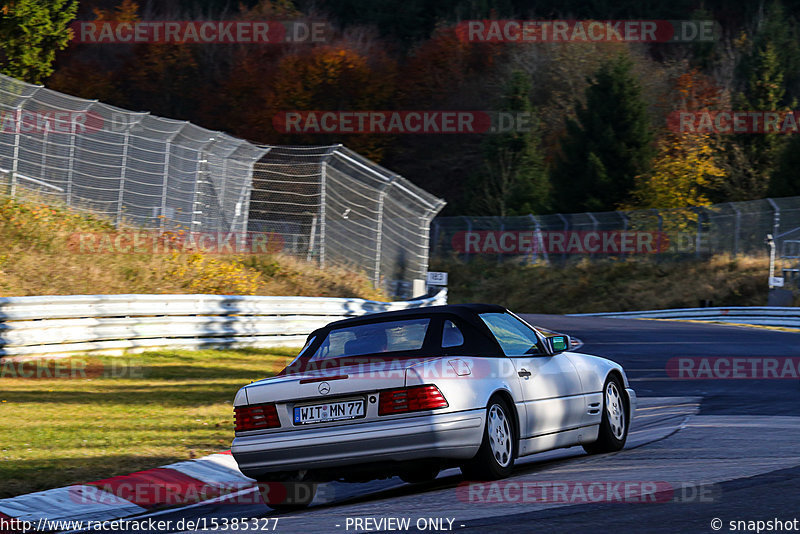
[(325, 204), (735, 228)]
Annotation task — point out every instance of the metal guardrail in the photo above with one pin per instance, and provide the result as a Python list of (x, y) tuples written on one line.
[(766, 316), (61, 325)]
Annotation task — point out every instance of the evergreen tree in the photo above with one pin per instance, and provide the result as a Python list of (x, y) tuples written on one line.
[(770, 63), (776, 29), (608, 145), (785, 181), (514, 180), (752, 157), (31, 32)]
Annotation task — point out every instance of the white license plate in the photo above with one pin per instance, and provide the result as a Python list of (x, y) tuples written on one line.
[(329, 411)]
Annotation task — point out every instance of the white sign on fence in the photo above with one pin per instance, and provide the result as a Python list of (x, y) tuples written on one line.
[(776, 281), (437, 278)]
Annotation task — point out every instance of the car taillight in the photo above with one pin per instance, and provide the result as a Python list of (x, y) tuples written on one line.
[(410, 400), (256, 417)]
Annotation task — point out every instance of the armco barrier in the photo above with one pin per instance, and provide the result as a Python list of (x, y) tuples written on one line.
[(766, 316), (60, 325)]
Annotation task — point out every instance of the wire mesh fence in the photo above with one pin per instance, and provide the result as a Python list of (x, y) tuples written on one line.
[(325, 204), (736, 228), (331, 205), (148, 171)]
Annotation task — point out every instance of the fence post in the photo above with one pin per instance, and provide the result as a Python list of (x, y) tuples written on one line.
[(122, 177), (163, 211), (595, 225), (15, 160), (660, 232), (534, 226), (376, 279), (427, 219), (540, 242), (566, 229), (469, 231), (43, 164), (625, 221), (500, 233), (72, 146), (12, 188), (776, 221), (322, 201), (71, 164), (737, 226), (436, 231), (699, 237), (247, 187), (167, 157), (200, 168)]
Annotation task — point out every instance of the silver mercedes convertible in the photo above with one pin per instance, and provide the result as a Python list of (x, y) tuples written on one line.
[(408, 393)]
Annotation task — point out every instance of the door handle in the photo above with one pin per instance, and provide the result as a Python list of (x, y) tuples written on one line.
[(524, 373)]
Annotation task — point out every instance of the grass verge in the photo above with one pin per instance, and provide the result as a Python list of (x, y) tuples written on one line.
[(600, 286), (88, 418), (41, 254)]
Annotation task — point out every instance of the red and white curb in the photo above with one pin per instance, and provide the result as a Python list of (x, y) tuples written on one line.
[(177, 484)]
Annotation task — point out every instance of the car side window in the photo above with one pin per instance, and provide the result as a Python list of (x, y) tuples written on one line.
[(515, 337), (451, 335)]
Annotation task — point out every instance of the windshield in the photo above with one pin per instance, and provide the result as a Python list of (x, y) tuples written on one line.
[(374, 338)]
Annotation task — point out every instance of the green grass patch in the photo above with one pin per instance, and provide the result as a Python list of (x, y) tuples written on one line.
[(86, 418), (607, 286)]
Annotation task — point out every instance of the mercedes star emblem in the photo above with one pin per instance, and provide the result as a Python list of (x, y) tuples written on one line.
[(324, 388)]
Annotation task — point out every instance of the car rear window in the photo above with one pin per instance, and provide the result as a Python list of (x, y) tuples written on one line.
[(375, 338)]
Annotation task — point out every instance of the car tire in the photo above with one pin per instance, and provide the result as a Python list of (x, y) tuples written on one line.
[(287, 496), (615, 420), (495, 458)]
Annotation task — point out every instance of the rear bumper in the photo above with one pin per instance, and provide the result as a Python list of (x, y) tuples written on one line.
[(450, 435)]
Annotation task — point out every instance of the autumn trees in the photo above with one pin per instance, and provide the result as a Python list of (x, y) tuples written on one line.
[(600, 138)]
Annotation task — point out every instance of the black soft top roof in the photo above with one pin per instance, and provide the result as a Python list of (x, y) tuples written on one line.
[(467, 312), (478, 338)]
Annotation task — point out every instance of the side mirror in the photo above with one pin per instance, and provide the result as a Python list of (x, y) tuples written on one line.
[(556, 344)]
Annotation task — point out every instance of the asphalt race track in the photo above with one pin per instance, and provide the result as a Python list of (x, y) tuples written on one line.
[(719, 450)]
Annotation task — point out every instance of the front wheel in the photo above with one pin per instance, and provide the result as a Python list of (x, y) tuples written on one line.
[(614, 424), (495, 458)]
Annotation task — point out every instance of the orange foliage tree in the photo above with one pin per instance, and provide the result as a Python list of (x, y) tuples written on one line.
[(685, 169), (330, 77)]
